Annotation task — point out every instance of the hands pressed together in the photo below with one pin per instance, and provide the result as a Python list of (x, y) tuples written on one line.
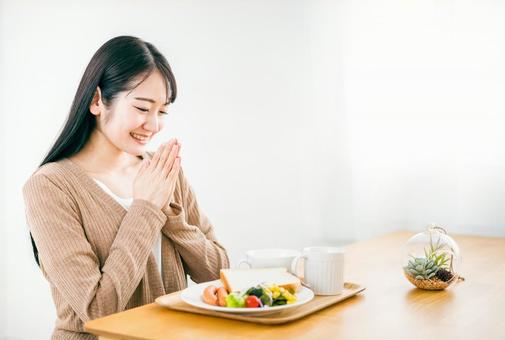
[(155, 182)]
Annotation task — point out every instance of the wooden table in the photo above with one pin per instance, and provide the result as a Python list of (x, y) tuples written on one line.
[(390, 307)]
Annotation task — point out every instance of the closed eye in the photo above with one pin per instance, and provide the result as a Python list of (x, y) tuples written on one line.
[(141, 109), (147, 110)]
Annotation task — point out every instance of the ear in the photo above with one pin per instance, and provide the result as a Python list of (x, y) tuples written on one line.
[(96, 107)]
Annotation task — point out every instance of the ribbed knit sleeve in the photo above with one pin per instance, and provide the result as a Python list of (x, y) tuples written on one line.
[(68, 260), (193, 236)]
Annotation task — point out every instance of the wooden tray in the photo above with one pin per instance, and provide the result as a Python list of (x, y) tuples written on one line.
[(173, 301)]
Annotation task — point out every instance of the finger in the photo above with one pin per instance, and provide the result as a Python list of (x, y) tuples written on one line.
[(156, 157), (174, 153), (175, 168), (164, 156), (143, 166)]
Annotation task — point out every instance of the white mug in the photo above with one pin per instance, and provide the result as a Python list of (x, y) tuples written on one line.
[(323, 269), (268, 258)]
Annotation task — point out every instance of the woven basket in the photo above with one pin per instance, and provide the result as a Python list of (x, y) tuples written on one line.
[(430, 284)]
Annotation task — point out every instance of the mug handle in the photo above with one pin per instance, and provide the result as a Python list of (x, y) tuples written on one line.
[(242, 262), (294, 268)]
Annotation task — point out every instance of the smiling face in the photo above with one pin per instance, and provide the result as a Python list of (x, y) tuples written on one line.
[(135, 116)]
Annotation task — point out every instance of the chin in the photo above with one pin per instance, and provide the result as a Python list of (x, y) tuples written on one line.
[(137, 150)]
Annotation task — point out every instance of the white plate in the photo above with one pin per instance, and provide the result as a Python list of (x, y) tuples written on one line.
[(193, 296)]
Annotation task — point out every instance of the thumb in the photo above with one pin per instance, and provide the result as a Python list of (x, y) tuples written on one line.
[(144, 165)]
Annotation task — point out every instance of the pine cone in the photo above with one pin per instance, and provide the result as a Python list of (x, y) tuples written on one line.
[(444, 275)]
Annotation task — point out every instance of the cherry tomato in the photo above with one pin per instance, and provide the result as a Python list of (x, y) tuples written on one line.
[(252, 302)]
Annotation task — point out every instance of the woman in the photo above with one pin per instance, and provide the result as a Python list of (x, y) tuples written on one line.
[(114, 226)]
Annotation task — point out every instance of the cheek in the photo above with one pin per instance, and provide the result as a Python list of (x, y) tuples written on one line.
[(132, 120), (161, 123), (109, 124), (122, 124)]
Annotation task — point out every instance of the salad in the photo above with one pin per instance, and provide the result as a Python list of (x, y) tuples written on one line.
[(262, 295)]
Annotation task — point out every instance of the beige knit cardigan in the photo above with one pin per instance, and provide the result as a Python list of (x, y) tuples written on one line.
[(97, 257)]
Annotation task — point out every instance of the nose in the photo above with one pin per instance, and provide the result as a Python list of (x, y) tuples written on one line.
[(152, 123)]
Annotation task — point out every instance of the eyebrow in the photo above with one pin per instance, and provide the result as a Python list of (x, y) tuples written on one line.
[(149, 100)]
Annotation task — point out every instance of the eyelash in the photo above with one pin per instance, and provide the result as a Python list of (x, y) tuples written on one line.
[(146, 110)]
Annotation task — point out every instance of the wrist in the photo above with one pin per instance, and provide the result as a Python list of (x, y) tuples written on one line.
[(171, 209), (154, 202)]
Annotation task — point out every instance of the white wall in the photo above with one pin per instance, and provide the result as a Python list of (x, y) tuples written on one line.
[(3, 220), (305, 122), (424, 83)]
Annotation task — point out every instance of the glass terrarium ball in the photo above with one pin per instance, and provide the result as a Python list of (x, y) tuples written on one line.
[(431, 259)]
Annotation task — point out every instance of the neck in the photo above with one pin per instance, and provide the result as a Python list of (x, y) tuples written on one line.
[(101, 156)]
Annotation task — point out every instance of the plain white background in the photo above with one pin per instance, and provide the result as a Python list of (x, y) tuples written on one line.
[(302, 122)]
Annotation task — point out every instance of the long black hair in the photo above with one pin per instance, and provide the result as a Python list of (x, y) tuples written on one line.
[(115, 67)]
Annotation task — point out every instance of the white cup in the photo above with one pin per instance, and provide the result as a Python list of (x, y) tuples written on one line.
[(268, 258), (323, 269)]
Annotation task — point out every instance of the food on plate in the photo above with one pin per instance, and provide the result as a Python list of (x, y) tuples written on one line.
[(235, 300), (210, 295), (221, 296), (235, 280), (274, 295), (253, 301), (253, 288)]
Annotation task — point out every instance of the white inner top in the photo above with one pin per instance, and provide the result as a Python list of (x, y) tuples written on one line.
[(125, 203)]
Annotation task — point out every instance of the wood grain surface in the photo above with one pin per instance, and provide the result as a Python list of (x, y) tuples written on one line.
[(389, 308)]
